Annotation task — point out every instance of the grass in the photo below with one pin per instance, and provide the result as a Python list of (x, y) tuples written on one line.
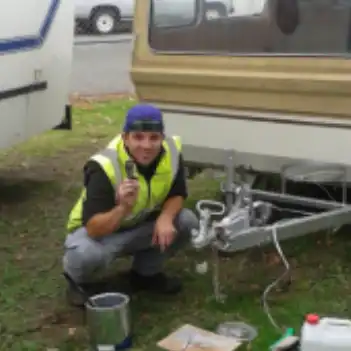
[(40, 180)]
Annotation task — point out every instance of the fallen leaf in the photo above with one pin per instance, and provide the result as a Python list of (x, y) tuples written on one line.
[(272, 259), (254, 286), (329, 243), (71, 331)]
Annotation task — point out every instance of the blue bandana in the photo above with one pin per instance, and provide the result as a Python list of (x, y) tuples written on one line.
[(144, 118)]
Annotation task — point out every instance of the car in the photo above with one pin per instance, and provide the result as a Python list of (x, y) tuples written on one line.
[(104, 16), (218, 8), (168, 13)]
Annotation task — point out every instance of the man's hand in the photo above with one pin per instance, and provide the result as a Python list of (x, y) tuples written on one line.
[(164, 232), (127, 194)]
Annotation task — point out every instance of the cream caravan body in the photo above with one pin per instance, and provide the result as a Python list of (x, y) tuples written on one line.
[(272, 85)]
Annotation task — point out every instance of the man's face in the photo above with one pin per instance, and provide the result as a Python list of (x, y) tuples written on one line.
[(143, 146)]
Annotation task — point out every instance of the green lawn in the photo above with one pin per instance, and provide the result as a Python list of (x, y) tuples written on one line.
[(40, 180)]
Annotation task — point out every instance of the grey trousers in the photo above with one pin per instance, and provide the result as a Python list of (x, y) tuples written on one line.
[(84, 258)]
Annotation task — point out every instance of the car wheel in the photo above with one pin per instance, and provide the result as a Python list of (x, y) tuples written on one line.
[(104, 21)]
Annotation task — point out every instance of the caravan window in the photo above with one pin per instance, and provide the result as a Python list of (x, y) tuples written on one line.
[(252, 27), (172, 14)]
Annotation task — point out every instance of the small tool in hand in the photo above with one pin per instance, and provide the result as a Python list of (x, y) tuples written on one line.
[(131, 169)]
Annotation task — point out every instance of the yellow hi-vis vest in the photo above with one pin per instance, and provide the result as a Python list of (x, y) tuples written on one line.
[(150, 197)]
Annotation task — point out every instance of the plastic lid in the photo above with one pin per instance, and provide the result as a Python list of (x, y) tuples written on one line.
[(237, 330), (312, 318)]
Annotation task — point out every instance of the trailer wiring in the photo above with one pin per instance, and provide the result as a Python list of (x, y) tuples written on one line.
[(283, 258)]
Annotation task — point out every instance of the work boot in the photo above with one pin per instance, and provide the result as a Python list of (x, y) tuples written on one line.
[(158, 283), (76, 298)]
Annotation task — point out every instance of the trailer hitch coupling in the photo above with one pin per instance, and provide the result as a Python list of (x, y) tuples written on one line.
[(220, 232)]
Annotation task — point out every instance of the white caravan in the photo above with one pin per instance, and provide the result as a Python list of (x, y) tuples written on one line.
[(36, 44)]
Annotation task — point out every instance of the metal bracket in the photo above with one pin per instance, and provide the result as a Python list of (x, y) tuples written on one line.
[(248, 211), (66, 123)]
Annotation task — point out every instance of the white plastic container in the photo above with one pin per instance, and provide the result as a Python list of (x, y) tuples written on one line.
[(325, 334)]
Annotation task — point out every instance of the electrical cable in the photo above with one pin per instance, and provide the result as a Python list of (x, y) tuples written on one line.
[(276, 282), (279, 249)]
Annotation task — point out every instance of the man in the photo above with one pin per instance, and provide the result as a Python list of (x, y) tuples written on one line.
[(144, 217)]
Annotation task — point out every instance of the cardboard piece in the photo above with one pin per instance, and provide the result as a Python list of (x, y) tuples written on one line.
[(191, 338)]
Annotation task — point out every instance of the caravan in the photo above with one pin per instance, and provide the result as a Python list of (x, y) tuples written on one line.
[(263, 91), (270, 83), (36, 47)]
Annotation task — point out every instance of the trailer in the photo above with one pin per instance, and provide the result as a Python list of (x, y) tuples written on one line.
[(36, 46)]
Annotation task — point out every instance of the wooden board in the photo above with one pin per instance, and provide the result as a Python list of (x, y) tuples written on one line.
[(191, 338)]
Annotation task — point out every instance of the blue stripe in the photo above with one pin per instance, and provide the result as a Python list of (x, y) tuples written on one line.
[(31, 42)]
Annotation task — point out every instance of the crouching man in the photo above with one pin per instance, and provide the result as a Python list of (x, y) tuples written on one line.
[(142, 216)]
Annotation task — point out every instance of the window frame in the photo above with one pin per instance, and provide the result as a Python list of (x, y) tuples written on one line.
[(199, 18)]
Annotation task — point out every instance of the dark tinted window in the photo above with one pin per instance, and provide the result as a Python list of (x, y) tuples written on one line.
[(255, 27)]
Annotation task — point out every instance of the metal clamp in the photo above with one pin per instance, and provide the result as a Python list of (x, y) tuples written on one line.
[(205, 234), (243, 215), (203, 206), (238, 222), (242, 193), (261, 212)]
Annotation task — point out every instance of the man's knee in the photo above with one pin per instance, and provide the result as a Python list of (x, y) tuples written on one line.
[(82, 257), (185, 221)]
